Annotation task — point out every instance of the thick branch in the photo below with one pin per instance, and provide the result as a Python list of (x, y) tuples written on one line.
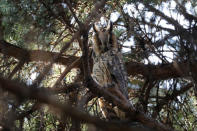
[(44, 96), (127, 107), (160, 72), (34, 55), (157, 72)]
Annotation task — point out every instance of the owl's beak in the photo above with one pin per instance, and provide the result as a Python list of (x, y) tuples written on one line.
[(104, 46)]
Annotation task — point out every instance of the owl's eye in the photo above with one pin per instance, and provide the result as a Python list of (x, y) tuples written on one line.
[(107, 29)]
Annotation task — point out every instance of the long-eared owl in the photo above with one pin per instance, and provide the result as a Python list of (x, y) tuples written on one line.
[(108, 68)]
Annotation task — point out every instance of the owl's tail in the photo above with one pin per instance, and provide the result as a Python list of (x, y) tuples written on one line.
[(108, 111)]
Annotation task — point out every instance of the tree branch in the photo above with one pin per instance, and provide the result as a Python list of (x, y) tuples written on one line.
[(44, 96), (34, 55), (158, 72)]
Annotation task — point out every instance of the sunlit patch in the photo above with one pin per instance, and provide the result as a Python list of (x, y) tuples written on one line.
[(64, 5), (127, 45), (114, 16)]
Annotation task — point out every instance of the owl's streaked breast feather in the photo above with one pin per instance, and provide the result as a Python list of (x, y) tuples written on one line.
[(108, 68)]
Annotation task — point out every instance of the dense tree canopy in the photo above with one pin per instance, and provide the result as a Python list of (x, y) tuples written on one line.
[(45, 67)]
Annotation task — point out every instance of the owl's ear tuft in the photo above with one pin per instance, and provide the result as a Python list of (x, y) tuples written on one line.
[(109, 26), (96, 28)]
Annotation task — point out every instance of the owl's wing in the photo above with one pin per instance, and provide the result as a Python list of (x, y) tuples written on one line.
[(116, 68), (108, 71)]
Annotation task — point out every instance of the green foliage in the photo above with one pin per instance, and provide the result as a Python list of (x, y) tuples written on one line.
[(47, 25)]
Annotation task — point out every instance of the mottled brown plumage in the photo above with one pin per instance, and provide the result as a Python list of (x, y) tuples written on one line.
[(108, 68)]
